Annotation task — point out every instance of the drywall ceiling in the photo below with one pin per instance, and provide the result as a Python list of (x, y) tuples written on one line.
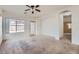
[(18, 10)]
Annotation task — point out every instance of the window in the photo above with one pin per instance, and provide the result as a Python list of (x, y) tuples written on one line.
[(16, 26)]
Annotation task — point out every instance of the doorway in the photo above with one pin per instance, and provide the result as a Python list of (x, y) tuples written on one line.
[(67, 30)]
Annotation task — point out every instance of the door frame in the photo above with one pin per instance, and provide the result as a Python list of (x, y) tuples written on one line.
[(61, 15)]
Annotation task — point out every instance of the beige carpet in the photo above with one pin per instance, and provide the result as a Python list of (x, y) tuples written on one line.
[(38, 45)]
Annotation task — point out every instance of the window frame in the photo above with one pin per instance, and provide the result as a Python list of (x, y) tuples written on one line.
[(20, 22)]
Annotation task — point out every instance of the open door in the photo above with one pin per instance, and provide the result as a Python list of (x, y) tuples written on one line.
[(67, 30)]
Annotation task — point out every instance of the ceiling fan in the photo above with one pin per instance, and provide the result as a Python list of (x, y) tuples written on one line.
[(33, 8)]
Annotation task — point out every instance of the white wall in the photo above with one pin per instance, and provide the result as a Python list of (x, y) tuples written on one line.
[(38, 26), (75, 25), (0, 26), (0, 29), (50, 25)]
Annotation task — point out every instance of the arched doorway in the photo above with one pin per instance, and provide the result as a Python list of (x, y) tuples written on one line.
[(65, 25)]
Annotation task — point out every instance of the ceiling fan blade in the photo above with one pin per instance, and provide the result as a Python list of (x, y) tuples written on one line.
[(32, 6), (27, 9), (28, 6), (37, 10), (37, 6)]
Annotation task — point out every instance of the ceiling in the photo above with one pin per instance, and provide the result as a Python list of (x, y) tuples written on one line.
[(18, 10)]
